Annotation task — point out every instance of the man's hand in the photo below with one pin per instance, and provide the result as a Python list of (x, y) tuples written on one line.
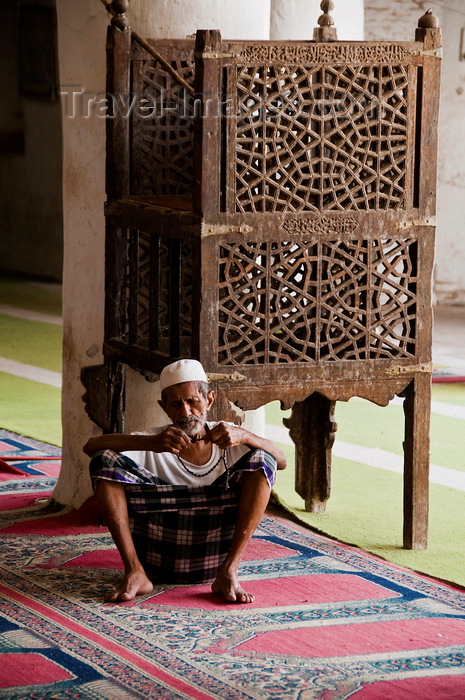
[(172, 440), (225, 435)]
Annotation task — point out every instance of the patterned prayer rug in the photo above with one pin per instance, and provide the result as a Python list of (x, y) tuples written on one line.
[(329, 622)]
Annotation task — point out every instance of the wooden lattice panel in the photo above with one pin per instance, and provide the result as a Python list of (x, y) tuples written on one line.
[(149, 305), (163, 150), (321, 138), (315, 301)]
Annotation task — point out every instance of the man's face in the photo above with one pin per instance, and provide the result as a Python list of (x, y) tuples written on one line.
[(187, 407)]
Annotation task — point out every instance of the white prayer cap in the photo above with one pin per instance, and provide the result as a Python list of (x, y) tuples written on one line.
[(182, 371)]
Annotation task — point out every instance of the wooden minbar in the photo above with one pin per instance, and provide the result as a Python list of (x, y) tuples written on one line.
[(271, 212)]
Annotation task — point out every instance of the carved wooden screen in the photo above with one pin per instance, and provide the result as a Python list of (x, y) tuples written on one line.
[(283, 232), (324, 128), (308, 242), (161, 119), (149, 264), (321, 173), (307, 301), (157, 320)]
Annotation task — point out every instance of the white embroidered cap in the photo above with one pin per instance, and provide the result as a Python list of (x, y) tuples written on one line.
[(182, 371)]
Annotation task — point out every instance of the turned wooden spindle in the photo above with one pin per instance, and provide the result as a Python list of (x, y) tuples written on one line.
[(326, 31), (118, 10)]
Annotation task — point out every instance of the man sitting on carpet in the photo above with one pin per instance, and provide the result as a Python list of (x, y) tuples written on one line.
[(182, 502)]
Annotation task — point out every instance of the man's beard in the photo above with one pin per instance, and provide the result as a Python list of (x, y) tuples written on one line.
[(191, 426)]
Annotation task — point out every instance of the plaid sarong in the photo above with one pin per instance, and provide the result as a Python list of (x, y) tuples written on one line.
[(181, 533)]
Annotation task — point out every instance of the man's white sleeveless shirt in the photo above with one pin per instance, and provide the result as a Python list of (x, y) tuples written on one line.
[(168, 467)]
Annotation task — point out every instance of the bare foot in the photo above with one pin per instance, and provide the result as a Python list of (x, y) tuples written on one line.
[(227, 585), (134, 583)]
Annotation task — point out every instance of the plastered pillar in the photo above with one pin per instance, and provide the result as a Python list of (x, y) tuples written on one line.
[(449, 280), (81, 45), (241, 19), (396, 20), (81, 56), (296, 19)]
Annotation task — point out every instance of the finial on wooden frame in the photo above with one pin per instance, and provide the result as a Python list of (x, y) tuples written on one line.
[(118, 10), (429, 33), (428, 20), (326, 31)]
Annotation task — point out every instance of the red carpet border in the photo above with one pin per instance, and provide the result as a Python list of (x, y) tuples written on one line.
[(329, 622)]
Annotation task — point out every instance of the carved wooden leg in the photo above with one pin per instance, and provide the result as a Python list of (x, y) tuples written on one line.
[(417, 408), (223, 409), (105, 395), (312, 428), (116, 397)]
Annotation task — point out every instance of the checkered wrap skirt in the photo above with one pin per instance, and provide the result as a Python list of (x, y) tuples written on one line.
[(181, 533)]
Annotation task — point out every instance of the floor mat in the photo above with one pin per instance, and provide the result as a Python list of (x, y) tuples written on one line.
[(27, 456), (328, 622), (366, 504)]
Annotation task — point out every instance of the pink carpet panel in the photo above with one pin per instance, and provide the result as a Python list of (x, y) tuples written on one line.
[(329, 622)]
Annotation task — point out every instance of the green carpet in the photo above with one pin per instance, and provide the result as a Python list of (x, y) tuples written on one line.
[(28, 407), (33, 296), (31, 342), (365, 507)]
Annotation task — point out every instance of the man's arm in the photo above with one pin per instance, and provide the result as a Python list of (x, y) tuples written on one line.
[(169, 440), (225, 435)]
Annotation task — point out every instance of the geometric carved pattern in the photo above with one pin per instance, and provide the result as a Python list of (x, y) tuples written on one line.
[(326, 53), (149, 304), (301, 301), (321, 138), (322, 225), (393, 299), (163, 131), (185, 292)]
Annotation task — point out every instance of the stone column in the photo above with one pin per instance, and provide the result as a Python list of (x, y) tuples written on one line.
[(240, 19), (296, 19), (81, 49), (397, 20), (81, 38), (449, 283)]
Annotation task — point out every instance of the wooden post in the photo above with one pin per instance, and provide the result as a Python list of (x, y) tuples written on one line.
[(117, 186), (116, 175), (207, 116), (417, 404), (117, 124), (431, 36), (416, 462)]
